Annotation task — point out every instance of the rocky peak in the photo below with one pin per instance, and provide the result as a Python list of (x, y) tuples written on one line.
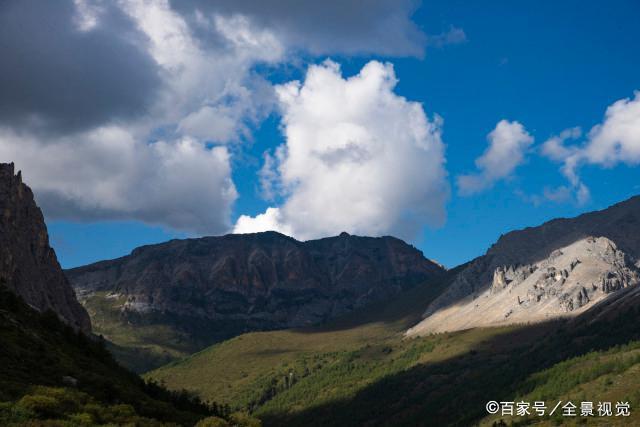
[(566, 283), (605, 252), (28, 265)]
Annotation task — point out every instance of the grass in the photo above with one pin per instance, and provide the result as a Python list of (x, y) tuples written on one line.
[(138, 345), (256, 370), (360, 371)]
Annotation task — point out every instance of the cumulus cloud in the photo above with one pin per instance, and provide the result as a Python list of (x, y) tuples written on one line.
[(138, 92), (105, 173), (508, 143), (616, 140), (271, 220), (357, 158), (116, 142), (61, 71)]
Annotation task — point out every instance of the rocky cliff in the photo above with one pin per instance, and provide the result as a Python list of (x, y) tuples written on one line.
[(561, 268), (28, 265), (216, 287)]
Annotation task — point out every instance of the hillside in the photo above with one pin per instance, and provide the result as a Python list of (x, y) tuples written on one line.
[(48, 371), (169, 300), (559, 269), (367, 374), (241, 370), (363, 370)]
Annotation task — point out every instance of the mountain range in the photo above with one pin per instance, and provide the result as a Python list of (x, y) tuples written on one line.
[(201, 291), (345, 330)]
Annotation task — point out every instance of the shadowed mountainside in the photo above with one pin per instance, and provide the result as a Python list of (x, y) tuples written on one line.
[(172, 299)]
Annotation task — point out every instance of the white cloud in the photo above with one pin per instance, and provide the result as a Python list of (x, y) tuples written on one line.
[(210, 93), (156, 167), (271, 220), (382, 27), (106, 173), (357, 158), (555, 148), (508, 143), (616, 140), (117, 111), (268, 175)]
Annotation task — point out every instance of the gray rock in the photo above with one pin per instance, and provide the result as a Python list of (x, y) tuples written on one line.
[(28, 265)]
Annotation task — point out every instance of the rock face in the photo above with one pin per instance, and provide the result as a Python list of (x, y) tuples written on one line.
[(28, 265), (235, 283), (561, 268)]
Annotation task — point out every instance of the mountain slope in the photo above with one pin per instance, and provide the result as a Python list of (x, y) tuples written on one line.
[(28, 265), (48, 371), (370, 373), (52, 370), (248, 371), (172, 299), (561, 268), (365, 373)]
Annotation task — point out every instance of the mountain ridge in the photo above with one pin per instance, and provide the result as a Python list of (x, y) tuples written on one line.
[(202, 290), (28, 265), (529, 273)]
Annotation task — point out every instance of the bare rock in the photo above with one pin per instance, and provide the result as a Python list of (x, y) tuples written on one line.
[(556, 286), (28, 265)]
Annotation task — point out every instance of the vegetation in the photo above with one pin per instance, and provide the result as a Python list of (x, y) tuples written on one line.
[(607, 376), (52, 375), (250, 369), (360, 370), (138, 345)]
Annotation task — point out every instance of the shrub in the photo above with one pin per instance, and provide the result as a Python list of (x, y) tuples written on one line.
[(213, 422), (83, 419), (242, 419)]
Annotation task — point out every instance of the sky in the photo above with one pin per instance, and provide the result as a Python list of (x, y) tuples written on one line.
[(444, 123)]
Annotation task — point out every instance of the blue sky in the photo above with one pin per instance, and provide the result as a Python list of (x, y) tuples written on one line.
[(548, 66)]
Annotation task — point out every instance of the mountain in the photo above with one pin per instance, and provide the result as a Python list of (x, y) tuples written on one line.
[(561, 268), (28, 265), (172, 299), (363, 369), (52, 370)]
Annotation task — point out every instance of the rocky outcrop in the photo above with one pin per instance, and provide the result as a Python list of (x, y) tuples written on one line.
[(234, 283), (560, 268), (28, 265)]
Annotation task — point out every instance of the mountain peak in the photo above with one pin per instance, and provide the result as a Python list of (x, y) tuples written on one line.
[(29, 265), (560, 268)]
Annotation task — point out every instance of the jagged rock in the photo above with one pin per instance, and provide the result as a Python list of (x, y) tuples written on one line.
[(28, 265)]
